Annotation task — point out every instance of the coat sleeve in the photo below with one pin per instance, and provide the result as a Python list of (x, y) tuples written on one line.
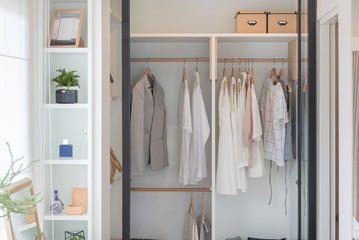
[(137, 134)]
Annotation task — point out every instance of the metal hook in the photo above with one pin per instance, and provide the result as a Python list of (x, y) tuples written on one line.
[(196, 62), (232, 62), (148, 64), (273, 62), (202, 194), (252, 62), (184, 62), (192, 194), (240, 61), (282, 62)]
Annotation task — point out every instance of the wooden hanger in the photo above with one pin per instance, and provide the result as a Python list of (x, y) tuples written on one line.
[(252, 76), (184, 74), (148, 71), (191, 206), (274, 73), (239, 77), (283, 74), (224, 75)]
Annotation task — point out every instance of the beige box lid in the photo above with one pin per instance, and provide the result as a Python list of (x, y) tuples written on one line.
[(79, 196), (282, 12), (251, 12)]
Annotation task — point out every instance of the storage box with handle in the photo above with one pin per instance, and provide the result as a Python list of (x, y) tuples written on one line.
[(251, 21), (79, 202), (282, 22)]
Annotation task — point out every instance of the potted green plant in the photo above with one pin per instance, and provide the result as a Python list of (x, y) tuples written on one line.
[(67, 86)]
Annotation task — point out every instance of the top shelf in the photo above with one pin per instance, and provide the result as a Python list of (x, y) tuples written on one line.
[(222, 37)]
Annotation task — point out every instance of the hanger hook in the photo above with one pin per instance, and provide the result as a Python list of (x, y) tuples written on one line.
[(252, 62), (192, 194), (232, 62), (282, 62), (273, 62), (196, 62), (184, 62), (240, 61), (202, 194), (148, 64)]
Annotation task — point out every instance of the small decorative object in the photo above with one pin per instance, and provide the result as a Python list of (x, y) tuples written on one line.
[(57, 206), (79, 202), (84, 144), (75, 235), (67, 86), (66, 28), (65, 149)]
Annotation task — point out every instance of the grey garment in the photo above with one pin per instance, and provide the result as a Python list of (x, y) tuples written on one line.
[(204, 229), (148, 127), (288, 144)]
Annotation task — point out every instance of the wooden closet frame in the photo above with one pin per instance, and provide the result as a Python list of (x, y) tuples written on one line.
[(312, 148)]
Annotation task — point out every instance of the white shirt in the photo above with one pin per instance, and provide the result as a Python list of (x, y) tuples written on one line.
[(257, 169), (275, 118), (185, 130), (199, 135)]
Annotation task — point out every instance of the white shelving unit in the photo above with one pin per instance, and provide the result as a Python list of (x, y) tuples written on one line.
[(67, 121)]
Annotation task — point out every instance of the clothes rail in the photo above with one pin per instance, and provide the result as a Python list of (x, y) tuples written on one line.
[(229, 60), (171, 189)]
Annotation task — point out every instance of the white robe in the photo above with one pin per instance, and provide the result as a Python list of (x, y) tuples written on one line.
[(234, 125), (185, 130), (226, 168), (199, 135), (243, 160), (257, 169)]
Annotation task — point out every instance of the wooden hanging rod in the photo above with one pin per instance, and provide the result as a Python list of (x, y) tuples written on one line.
[(207, 60), (171, 189)]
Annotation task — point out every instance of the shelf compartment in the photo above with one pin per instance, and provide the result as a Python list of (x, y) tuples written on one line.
[(69, 62), (65, 123)]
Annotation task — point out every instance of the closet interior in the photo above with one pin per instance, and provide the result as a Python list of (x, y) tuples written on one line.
[(159, 202)]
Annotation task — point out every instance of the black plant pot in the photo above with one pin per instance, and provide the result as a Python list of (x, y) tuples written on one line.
[(66, 96)]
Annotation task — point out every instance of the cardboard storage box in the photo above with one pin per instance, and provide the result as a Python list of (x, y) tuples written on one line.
[(282, 22), (79, 202), (251, 22)]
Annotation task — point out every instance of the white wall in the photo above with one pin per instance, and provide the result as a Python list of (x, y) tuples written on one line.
[(16, 85), (342, 8)]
